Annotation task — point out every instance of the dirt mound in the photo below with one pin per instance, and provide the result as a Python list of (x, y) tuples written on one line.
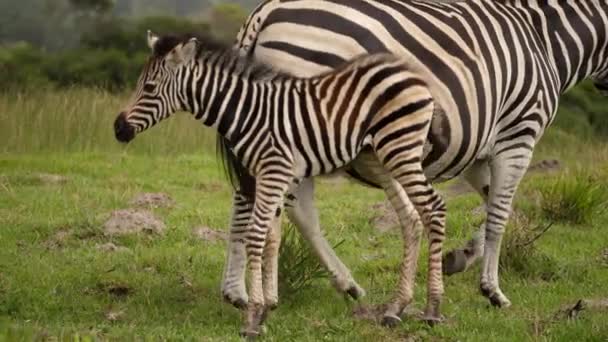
[(110, 247), (208, 234), (130, 221), (546, 165), (152, 200), (59, 239), (385, 218), (49, 178)]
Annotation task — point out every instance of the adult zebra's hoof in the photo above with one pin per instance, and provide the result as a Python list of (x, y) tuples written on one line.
[(496, 297), (433, 320), (390, 321), (454, 262), (349, 288), (239, 303), (355, 292)]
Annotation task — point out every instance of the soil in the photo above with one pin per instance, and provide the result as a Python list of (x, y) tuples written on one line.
[(129, 221), (208, 234), (110, 247), (51, 179), (152, 200)]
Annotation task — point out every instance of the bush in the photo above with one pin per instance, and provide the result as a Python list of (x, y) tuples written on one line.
[(21, 66), (575, 199), (111, 56), (298, 265), (520, 253), (110, 69)]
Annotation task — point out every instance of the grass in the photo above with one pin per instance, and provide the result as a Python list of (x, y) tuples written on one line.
[(56, 284), (576, 199)]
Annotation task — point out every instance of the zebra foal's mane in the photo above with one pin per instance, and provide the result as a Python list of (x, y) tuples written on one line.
[(226, 55)]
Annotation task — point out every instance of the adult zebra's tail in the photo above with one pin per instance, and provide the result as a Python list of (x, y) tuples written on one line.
[(245, 42)]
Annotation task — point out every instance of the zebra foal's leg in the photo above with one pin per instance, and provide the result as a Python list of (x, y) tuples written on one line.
[(401, 155), (460, 259), (270, 190), (234, 289), (271, 263), (507, 169), (411, 230), (302, 212)]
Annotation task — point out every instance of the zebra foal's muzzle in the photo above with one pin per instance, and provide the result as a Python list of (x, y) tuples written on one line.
[(122, 129)]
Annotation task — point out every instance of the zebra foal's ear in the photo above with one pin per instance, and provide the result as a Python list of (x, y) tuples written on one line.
[(152, 40), (183, 53), (189, 49)]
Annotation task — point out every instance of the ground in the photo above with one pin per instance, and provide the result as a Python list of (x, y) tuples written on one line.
[(63, 274)]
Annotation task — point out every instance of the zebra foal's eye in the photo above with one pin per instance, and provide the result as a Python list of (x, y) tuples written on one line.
[(149, 87)]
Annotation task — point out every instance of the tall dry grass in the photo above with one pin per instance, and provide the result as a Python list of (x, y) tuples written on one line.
[(81, 119)]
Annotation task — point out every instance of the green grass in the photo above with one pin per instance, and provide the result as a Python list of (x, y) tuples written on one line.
[(55, 283)]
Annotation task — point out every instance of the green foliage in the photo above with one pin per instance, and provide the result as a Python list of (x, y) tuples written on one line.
[(21, 66), (520, 253), (298, 265), (583, 112), (575, 199), (226, 19), (111, 56)]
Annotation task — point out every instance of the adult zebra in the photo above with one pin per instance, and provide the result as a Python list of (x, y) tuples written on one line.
[(519, 54), (269, 117)]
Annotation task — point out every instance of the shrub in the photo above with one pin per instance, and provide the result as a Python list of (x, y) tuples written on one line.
[(575, 199), (298, 265), (21, 66), (520, 253)]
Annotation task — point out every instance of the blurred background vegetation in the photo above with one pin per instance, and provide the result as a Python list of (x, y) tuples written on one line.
[(66, 67), (97, 43)]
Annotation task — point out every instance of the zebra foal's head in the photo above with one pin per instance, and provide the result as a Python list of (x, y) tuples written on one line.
[(157, 94)]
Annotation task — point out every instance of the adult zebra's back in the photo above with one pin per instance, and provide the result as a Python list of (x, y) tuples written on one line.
[(505, 62)]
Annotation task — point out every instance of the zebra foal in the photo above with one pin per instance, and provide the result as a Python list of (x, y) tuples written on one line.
[(283, 129)]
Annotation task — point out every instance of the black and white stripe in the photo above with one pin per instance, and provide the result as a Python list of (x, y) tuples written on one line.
[(504, 62), (283, 128)]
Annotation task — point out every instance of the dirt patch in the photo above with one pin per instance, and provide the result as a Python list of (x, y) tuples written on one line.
[(456, 188), (128, 221), (113, 315), (110, 247), (49, 178), (208, 234), (570, 312), (210, 187), (604, 257), (59, 239), (573, 311), (547, 165), (116, 290), (152, 200), (385, 218), (374, 313)]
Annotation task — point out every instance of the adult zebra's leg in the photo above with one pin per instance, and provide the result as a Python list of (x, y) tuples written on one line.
[(234, 288), (460, 259), (302, 212), (507, 169)]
